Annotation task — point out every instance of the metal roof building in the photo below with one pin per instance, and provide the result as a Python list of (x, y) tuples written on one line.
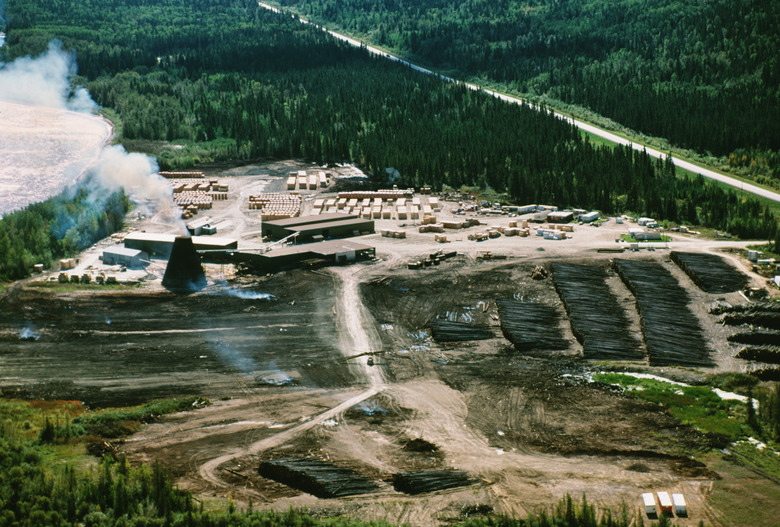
[(160, 245), (324, 225), (321, 253), (118, 255)]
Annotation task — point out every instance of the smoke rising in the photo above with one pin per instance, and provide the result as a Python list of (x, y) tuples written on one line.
[(44, 81), (138, 175)]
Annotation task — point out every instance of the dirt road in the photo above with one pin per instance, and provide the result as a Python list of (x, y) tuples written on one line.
[(354, 322)]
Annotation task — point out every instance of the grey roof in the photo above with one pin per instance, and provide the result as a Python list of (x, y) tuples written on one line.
[(306, 220), (330, 224), (123, 251)]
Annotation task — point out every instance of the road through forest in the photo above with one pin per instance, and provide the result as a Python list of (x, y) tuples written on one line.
[(691, 167)]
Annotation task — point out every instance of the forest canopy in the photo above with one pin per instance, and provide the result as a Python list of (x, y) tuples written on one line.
[(251, 84), (704, 75)]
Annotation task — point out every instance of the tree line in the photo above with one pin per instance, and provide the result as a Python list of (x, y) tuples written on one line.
[(56, 228)]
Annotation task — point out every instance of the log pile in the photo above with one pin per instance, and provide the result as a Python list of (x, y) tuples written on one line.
[(672, 333), (597, 319), (764, 319), (769, 354), (539, 273), (315, 477), (712, 273), (531, 326), (757, 338), (755, 307), (430, 481), (444, 330)]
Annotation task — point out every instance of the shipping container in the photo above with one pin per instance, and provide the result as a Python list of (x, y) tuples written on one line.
[(649, 501), (665, 501)]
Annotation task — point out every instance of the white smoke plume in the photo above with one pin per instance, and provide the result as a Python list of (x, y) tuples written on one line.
[(44, 81), (138, 175)]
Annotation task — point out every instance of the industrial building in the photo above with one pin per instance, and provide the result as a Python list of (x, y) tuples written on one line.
[(311, 254), (560, 217), (643, 235), (132, 258), (160, 245), (319, 227)]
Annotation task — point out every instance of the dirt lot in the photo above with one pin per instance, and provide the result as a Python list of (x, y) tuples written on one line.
[(296, 376)]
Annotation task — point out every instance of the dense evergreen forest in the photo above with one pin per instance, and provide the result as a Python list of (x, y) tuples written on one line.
[(704, 75), (58, 227), (230, 80)]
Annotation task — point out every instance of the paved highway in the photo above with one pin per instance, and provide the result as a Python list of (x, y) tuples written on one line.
[(696, 169)]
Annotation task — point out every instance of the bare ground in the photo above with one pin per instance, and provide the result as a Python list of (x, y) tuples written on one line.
[(341, 367)]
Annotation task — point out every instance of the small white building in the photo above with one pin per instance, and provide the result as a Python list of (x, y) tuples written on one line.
[(679, 505), (643, 235), (645, 221), (665, 501), (649, 501), (589, 217), (118, 255)]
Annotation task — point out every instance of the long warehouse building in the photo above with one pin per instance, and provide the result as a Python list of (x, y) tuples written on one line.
[(160, 245), (318, 228)]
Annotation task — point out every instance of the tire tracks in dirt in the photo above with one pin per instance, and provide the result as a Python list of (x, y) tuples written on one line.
[(358, 335)]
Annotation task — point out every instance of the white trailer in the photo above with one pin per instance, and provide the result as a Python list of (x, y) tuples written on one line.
[(665, 501), (679, 505), (649, 500)]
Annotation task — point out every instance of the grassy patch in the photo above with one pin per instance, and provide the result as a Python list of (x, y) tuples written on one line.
[(115, 423), (741, 496), (732, 382), (92, 286), (29, 417), (113, 116), (697, 406), (186, 154), (766, 248), (630, 239)]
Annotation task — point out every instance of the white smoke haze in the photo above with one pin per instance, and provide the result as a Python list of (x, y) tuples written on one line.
[(49, 158), (44, 81), (137, 174)]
